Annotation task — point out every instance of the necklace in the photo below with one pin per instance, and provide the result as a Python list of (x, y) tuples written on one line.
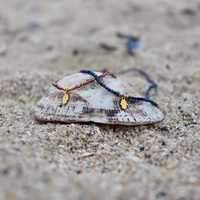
[(124, 97), (123, 102), (67, 90)]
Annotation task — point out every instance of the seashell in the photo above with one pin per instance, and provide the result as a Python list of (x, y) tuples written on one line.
[(92, 103)]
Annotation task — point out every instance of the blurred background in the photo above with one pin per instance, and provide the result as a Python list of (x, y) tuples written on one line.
[(65, 36)]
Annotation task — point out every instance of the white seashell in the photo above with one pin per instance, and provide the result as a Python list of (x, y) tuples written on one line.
[(94, 103)]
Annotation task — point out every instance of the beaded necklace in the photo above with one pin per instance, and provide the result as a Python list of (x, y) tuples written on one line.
[(97, 78), (123, 101), (154, 85), (67, 90)]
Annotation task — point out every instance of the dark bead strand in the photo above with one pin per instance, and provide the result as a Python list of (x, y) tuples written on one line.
[(95, 75), (118, 93), (154, 85)]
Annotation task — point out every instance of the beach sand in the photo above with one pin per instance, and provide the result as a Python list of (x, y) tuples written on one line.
[(42, 41)]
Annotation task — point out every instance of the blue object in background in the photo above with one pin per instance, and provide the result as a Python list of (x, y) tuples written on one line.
[(133, 44)]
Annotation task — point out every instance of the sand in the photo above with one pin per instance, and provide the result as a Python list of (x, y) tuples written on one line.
[(42, 41)]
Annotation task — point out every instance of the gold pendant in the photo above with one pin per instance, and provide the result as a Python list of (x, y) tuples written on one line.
[(123, 104), (65, 98)]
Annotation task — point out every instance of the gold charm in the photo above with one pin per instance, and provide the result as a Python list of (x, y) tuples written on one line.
[(123, 104), (65, 98)]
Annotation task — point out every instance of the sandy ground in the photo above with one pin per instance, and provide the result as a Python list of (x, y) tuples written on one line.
[(42, 41)]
